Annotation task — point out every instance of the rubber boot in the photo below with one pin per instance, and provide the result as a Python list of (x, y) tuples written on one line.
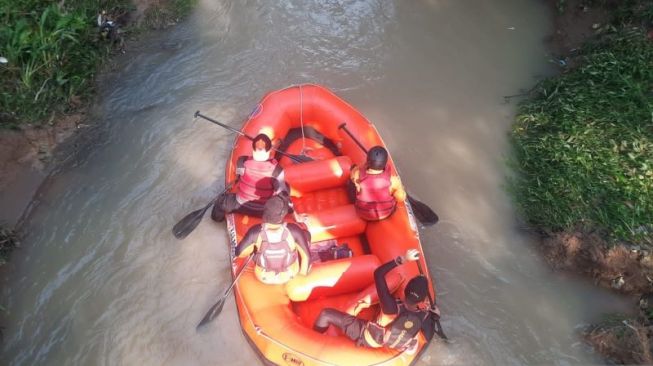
[(217, 213)]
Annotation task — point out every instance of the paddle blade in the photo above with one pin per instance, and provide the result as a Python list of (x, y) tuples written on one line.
[(213, 312), (186, 225), (422, 212)]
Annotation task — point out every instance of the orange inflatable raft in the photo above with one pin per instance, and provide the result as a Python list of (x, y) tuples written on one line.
[(277, 319)]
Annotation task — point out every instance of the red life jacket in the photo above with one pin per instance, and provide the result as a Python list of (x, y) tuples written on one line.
[(276, 256), (257, 182), (374, 201)]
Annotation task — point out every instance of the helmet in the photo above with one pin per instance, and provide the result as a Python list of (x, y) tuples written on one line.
[(416, 290), (261, 141), (377, 158), (275, 210)]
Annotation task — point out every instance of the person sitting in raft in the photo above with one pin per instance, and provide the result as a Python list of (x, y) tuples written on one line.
[(399, 322), (281, 248), (377, 191), (258, 177)]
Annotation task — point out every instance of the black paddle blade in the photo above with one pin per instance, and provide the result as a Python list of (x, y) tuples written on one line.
[(422, 212), (186, 225), (213, 312)]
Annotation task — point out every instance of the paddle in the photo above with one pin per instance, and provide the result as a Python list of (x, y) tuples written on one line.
[(186, 225), (215, 310), (422, 212), (437, 328), (295, 158)]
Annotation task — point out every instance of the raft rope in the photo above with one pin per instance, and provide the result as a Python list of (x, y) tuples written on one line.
[(301, 119)]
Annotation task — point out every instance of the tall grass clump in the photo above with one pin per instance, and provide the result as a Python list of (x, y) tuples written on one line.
[(52, 51), (584, 144)]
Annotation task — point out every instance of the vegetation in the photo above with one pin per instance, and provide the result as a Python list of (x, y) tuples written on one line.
[(169, 12), (53, 51), (584, 141)]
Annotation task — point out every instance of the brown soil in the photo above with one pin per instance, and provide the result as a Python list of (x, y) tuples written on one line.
[(574, 25), (24, 157), (626, 269), (625, 342), (26, 154)]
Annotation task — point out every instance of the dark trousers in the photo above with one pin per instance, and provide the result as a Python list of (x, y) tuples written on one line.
[(227, 203), (352, 326)]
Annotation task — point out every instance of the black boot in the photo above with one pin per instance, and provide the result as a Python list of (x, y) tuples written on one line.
[(217, 213)]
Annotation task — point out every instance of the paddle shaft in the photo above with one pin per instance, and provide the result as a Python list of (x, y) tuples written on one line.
[(293, 157), (216, 309), (186, 225), (242, 269), (344, 127)]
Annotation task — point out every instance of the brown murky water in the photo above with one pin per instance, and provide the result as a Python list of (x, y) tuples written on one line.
[(101, 281)]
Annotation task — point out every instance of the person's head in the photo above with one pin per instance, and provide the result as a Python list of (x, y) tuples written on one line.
[(377, 158), (416, 290), (261, 147), (275, 210)]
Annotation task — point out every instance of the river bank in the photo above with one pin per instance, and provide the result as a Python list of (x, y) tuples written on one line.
[(583, 155), (32, 146)]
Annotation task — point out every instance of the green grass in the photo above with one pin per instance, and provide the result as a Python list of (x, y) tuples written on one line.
[(584, 144), (53, 55), (54, 52)]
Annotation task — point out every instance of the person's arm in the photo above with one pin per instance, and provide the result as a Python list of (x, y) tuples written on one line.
[(303, 243), (397, 189), (354, 175), (387, 301), (247, 244), (240, 166)]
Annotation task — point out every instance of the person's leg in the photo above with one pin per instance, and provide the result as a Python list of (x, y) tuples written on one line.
[(228, 203), (251, 208), (350, 325), (225, 203)]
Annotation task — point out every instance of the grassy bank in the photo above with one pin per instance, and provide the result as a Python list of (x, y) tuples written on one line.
[(54, 50), (584, 141)]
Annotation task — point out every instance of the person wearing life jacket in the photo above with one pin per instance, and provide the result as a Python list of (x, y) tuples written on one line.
[(376, 189), (258, 178), (281, 249), (399, 322)]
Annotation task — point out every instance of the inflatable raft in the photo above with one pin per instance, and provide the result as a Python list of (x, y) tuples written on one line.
[(277, 320)]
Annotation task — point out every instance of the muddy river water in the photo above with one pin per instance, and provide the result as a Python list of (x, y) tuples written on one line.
[(101, 281)]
